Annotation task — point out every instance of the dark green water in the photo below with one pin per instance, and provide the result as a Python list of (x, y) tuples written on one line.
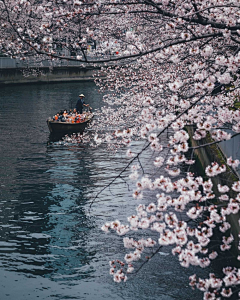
[(51, 247)]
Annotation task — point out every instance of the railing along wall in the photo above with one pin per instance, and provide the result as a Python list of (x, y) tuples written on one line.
[(231, 148), (8, 63)]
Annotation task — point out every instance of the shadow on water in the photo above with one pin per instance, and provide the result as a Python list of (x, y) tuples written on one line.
[(60, 137), (48, 223), (53, 138)]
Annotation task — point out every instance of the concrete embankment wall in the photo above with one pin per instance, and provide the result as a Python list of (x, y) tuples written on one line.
[(45, 74), (213, 153)]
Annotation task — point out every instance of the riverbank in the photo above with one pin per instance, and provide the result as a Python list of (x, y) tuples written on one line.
[(10, 76), (212, 153)]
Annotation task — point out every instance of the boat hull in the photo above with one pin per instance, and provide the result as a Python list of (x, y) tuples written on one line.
[(63, 128)]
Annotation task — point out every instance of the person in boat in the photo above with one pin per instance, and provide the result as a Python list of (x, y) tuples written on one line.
[(56, 117), (80, 104), (64, 115)]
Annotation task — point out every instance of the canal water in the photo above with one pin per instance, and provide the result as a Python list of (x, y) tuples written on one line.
[(51, 246)]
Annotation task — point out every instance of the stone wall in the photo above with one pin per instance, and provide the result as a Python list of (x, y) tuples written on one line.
[(45, 74)]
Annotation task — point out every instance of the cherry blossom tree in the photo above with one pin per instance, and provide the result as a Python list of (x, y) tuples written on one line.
[(169, 70)]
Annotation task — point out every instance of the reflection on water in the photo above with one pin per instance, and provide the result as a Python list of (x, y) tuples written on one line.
[(50, 246)]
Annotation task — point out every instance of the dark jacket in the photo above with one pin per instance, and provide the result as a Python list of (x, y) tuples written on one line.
[(79, 105)]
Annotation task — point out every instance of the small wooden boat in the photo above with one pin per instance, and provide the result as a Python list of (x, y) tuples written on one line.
[(58, 128)]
